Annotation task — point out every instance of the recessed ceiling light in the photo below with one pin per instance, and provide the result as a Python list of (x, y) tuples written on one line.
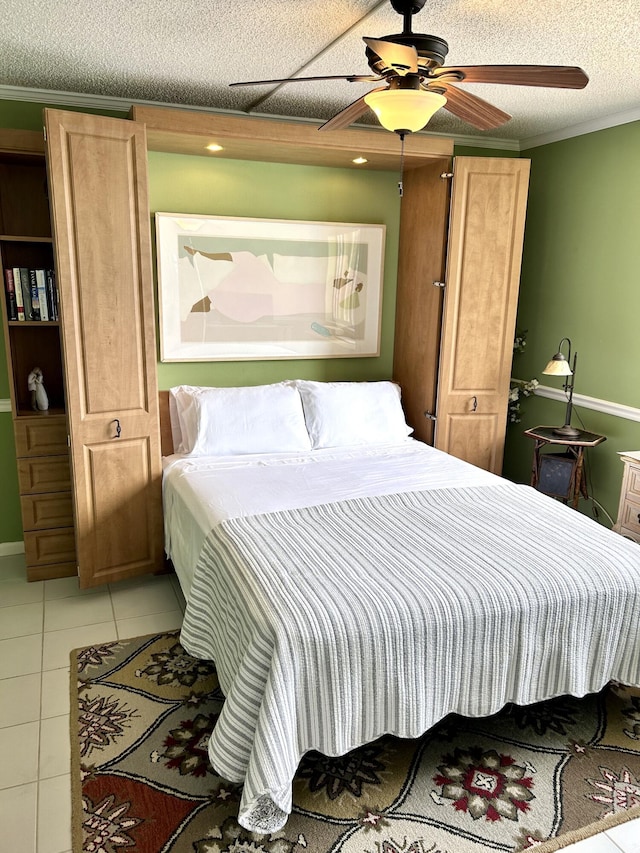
[(360, 160), (214, 147)]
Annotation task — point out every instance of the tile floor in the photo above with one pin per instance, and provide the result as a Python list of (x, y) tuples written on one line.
[(40, 623)]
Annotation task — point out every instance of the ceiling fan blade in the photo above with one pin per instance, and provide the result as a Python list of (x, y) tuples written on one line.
[(349, 114), (551, 76), (352, 78), (472, 109), (403, 58)]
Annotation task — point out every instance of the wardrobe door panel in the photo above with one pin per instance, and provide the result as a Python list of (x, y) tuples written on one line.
[(98, 192), (486, 232)]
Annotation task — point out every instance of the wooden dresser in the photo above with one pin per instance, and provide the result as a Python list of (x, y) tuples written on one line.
[(628, 523), (45, 495)]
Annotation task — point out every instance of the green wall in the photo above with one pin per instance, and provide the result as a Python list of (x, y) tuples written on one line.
[(580, 276), (214, 185)]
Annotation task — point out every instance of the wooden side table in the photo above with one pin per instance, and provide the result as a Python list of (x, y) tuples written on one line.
[(561, 475)]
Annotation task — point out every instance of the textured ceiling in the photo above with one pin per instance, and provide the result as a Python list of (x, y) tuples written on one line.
[(188, 51)]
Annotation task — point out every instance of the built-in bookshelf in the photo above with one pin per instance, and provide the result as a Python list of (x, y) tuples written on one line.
[(32, 337), (26, 247)]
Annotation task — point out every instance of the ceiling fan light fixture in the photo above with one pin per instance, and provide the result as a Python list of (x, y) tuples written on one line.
[(404, 110)]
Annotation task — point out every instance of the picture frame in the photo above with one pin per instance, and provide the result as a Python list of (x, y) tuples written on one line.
[(233, 288)]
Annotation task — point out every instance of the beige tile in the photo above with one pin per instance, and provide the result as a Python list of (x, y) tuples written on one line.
[(13, 567), (77, 611), (55, 692), (20, 655), (19, 751), (19, 699), (55, 749), (626, 836), (58, 645), (143, 598), (54, 815), (597, 844), (155, 623), (21, 619), (18, 807), (67, 588), (20, 592)]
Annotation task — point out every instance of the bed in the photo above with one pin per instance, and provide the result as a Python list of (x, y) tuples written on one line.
[(349, 581)]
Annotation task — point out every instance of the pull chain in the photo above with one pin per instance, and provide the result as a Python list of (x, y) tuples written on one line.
[(400, 184)]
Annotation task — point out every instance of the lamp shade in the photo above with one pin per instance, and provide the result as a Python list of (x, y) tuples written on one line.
[(558, 366), (404, 110)]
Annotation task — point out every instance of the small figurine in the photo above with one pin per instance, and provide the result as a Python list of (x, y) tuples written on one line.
[(39, 399)]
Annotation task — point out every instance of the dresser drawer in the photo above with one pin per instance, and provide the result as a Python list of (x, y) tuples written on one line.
[(629, 518), (633, 482), (49, 546), (50, 509), (44, 474), (43, 436)]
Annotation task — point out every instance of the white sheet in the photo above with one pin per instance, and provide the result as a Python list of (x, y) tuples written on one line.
[(201, 492)]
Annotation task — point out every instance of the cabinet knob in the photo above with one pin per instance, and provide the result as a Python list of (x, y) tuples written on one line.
[(118, 428), (475, 403)]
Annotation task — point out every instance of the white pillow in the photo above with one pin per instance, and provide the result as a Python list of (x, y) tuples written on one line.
[(226, 421), (339, 414)]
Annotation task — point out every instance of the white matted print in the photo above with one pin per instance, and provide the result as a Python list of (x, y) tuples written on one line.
[(235, 288)]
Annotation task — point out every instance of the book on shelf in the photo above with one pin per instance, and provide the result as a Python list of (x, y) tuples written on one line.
[(35, 299), (41, 284), (31, 294), (17, 286), (10, 292), (23, 274), (52, 294)]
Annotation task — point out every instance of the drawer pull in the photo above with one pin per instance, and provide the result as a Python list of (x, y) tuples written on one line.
[(118, 428)]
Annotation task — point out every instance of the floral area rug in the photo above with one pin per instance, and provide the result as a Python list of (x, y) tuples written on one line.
[(536, 777)]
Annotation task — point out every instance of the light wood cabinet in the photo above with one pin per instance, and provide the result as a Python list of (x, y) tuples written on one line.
[(97, 168), (628, 522), (460, 255)]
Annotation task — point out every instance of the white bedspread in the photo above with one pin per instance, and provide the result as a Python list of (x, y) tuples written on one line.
[(453, 591), (201, 492)]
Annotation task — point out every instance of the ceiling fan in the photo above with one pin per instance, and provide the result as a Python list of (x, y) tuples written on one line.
[(417, 83)]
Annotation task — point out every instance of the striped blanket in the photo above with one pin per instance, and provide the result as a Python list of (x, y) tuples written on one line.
[(331, 625)]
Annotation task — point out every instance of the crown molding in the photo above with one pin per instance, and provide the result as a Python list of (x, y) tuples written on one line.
[(482, 142), (592, 126)]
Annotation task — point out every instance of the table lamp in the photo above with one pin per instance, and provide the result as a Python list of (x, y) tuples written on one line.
[(561, 366)]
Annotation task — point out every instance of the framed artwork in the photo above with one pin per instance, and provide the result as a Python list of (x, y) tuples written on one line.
[(236, 288)]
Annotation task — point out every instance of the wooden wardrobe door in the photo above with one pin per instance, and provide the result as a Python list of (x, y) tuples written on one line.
[(486, 231), (421, 263), (98, 195)]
